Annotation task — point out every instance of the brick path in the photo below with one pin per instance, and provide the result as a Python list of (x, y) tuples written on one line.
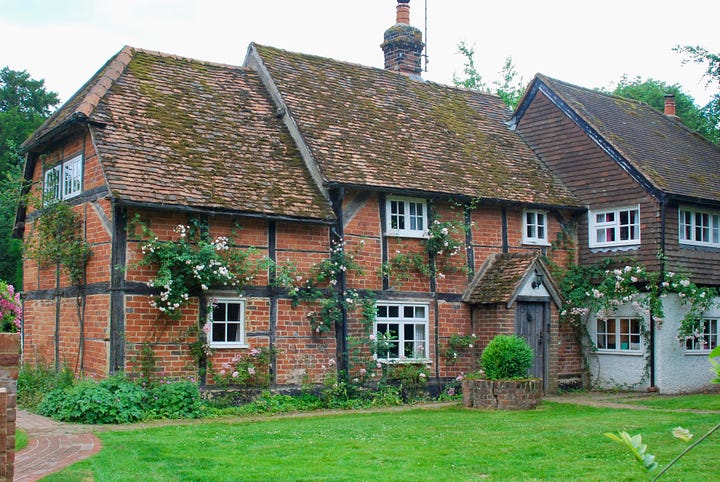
[(53, 446)]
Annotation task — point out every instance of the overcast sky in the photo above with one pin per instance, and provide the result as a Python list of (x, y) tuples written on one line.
[(588, 43)]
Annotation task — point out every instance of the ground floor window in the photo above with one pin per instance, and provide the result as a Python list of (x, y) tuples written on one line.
[(401, 331), (705, 339), (227, 322), (618, 334)]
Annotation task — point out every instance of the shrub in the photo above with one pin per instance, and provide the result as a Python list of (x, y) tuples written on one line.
[(506, 357), (34, 382), (174, 400), (112, 400)]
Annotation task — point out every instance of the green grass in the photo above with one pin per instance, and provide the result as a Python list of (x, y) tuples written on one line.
[(554, 442), (681, 402), (21, 440)]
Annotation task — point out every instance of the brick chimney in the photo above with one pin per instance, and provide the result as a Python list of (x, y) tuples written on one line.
[(670, 104), (403, 43)]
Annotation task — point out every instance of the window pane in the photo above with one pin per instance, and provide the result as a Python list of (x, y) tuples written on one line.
[(409, 312), (393, 311), (218, 332), (233, 312), (420, 312), (233, 332), (219, 312)]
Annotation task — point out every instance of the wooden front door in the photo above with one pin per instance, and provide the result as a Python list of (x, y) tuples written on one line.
[(530, 324)]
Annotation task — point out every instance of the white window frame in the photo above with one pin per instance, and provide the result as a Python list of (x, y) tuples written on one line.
[(615, 338), (699, 227), (213, 306), (535, 227), (710, 338), (405, 315), (406, 218), (64, 180), (615, 226)]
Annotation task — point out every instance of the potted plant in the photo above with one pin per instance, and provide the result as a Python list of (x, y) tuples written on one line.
[(502, 383)]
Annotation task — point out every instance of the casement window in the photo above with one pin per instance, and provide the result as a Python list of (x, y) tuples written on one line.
[(406, 217), (535, 227), (614, 227), (618, 335), (701, 228), (227, 323), (706, 340), (63, 181), (401, 331)]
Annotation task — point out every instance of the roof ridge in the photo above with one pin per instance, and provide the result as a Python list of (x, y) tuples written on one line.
[(111, 72)]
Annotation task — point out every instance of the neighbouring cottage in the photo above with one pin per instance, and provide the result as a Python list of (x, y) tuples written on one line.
[(650, 185), (429, 217)]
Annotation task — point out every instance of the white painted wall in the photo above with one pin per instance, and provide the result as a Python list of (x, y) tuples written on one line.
[(676, 370)]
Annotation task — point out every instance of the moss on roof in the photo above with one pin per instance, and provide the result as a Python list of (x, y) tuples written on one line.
[(376, 128)]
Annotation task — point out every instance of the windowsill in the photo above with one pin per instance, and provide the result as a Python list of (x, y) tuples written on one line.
[(619, 352), (531, 242), (702, 353), (405, 361), (220, 346), (696, 244), (418, 235)]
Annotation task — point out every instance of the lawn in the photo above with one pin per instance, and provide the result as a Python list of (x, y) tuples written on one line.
[(554, 442), (681, 402)]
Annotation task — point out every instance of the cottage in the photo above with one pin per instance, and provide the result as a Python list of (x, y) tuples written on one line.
[(650, 185), (370, 210)]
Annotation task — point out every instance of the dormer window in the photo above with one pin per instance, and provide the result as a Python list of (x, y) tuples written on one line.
[(614, 227), (535, 228), (406, 217), (63, 181), (700, 228)]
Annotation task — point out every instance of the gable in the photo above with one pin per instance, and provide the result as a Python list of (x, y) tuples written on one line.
[(658, 151)]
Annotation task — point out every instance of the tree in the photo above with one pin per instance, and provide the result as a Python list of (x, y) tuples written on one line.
[(24, 105), (700, 55), (509, 88), (653, 92)]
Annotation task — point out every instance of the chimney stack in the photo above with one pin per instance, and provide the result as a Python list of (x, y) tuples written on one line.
[(670, 104), (403, 43)]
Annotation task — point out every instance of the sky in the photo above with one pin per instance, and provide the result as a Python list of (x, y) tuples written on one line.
[(589, 43)]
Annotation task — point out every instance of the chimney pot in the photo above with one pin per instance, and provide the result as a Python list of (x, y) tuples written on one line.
[(670, 104), (403, 12)]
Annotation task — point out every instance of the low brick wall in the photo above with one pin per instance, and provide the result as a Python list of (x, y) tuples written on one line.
[(9, 364), (502, 394)]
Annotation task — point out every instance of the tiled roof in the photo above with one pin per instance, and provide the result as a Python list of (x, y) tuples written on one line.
[(499, 277), (670, 156), (371, 127), (189, 133)]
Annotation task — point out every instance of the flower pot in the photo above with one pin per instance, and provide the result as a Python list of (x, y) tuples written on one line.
[(502, 394)]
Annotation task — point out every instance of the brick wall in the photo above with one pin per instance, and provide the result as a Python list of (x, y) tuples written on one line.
[(9, 363)]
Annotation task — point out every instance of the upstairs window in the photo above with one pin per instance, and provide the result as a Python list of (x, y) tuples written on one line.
[(614, 227), (701, 228), (63, 181), (401, 332), (227, 323), (535, 227), (706, 340), (406, 217)]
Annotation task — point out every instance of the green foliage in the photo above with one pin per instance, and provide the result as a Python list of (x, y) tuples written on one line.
[(653, 92), (510, 88), (112, 400), (321, 289), (506, 357), (410, 378), (251, 370), (57, 239), (118, 399), (636, 447), (715, 364), (192, 263), (11, 311), (174, 400), (34, 382), (711, 61), (458, 344), (24, 105)]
